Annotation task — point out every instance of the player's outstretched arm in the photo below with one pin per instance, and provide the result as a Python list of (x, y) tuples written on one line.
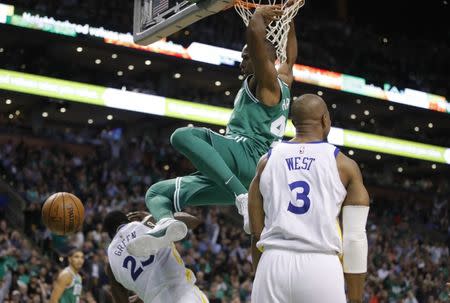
[(256, 211), (354, 218), (190, 221), (266, 76), (64, 279), (119, 293), (285, 70)]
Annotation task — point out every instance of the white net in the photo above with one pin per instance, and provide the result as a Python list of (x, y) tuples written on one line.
[(277, 31)]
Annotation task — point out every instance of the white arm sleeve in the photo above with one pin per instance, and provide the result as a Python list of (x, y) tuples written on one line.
[(354, 219)]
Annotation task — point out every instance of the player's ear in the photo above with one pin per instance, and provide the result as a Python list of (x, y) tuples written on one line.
[(294, 122), (324, 121)]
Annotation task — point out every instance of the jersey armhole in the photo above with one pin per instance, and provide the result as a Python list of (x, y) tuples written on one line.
[(336, 152), (256, 100)]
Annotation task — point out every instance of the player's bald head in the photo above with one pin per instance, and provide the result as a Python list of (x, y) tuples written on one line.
[(310, 111), (308, 107)]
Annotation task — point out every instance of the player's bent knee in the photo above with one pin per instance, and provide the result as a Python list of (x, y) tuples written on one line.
[(180, 135), (151, 193), (156, 190), (182, 138)]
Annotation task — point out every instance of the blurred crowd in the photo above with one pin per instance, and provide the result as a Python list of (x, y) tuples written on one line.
[(405, 264), (408, 256), (326, 43), (163, 84), (408, 238)]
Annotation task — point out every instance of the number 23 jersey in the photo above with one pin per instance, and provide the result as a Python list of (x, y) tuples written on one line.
[(145, 276), (303, 194)]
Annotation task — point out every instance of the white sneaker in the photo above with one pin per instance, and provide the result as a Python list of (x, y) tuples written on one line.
[(242, 206), (165, 232)]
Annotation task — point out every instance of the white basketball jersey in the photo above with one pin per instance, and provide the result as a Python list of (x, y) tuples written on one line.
[(148, 275), (302, 194)]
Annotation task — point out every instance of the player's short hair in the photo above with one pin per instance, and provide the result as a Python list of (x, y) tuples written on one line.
[(112, 221), (73, 251), (270, 48)]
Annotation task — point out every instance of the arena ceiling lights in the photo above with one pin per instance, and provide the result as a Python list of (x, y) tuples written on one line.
[(191, 111), (218, 56)]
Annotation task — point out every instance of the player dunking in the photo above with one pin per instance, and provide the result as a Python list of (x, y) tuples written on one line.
[(157, 278), (67, 288), (226, 164), (294, 203)]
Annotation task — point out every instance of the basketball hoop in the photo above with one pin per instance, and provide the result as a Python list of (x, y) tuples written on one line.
[(277, 31)]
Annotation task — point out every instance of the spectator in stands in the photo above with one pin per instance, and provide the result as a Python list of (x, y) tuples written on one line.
[(408, 259)]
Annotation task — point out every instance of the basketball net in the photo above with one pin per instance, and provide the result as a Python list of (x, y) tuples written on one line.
[(277, 30)]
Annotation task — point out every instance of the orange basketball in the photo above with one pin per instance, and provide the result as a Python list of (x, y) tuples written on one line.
[(63, 213)]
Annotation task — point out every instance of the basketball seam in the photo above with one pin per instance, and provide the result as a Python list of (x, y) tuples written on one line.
[(64, 215), (79, 217), (50, 210)]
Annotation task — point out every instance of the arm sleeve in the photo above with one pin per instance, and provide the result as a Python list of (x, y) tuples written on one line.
[(354, 219)]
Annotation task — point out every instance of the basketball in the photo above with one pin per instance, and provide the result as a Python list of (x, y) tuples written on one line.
[(63, 213)]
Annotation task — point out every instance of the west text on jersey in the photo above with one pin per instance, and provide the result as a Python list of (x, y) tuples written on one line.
[(297, 163)]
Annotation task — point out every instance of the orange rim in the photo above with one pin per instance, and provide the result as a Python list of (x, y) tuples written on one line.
[(249, 5), (245, 4)]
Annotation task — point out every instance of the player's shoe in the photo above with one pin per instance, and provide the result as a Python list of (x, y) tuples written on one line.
[(242, 206), (165, 232)]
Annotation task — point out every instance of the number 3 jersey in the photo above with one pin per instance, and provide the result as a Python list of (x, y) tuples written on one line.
[(302, 194), (146, 276), (261, 123)]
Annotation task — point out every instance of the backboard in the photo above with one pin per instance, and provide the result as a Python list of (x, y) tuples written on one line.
[(157, 19)]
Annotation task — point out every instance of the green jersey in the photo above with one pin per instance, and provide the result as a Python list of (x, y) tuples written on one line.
[(261, 123), (72, 293)]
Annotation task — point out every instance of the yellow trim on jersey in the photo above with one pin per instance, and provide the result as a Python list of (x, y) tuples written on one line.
[(177, 255), (339, 229), (341, 256), (202, 295), (261, 248), (189, 274)]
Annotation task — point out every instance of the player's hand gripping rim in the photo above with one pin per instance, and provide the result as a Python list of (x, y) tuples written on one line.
[(289, 3), (269, 13)]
